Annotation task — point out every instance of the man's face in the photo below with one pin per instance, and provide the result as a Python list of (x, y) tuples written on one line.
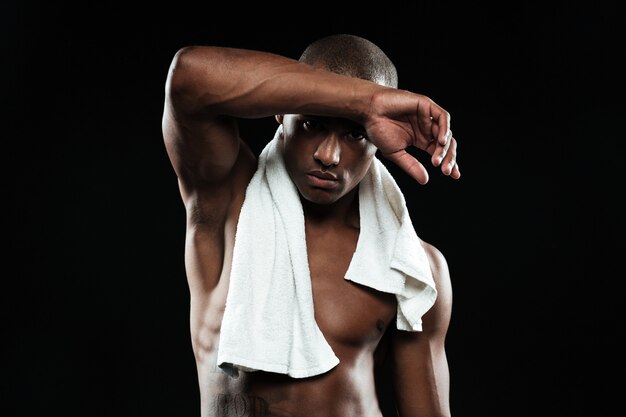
[(325, 157)]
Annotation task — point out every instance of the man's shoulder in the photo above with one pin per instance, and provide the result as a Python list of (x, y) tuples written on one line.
[(432, 251), (436, 259)]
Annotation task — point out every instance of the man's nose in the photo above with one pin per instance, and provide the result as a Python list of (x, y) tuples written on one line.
[(328, 152)]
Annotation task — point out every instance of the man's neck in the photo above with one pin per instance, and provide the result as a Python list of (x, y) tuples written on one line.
[(343, 212)]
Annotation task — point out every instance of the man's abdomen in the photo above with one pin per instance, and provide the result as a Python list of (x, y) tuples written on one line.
[(348, 390)]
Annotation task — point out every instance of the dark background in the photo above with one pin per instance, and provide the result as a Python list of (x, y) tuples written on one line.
[(95, 295)]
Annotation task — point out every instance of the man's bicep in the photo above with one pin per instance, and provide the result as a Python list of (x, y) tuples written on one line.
[(420, 366), (420, 374), (201, 151)]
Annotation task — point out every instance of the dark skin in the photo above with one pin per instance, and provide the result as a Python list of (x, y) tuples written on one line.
[(331, 127)]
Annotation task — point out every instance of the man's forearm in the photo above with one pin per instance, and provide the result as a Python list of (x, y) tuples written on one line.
[(210, 81)]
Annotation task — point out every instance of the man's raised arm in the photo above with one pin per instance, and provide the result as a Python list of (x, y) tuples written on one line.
[(207, 88)]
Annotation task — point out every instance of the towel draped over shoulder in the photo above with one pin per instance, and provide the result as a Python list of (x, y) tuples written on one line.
[(269, 322)]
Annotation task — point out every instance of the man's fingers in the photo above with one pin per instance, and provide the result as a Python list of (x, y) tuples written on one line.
[(410, 165), (441, 126), (445, 136), (442, 151), (448, 161), (456, 172)]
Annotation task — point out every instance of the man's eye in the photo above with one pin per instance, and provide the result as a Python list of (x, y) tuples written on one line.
[(357, 136), (311, 124)]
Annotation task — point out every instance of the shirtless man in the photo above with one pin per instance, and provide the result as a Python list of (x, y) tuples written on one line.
[(338, 104)]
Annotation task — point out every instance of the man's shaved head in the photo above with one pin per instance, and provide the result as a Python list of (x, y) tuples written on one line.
[(352, 56)]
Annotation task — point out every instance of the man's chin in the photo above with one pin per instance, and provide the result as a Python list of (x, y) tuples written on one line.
[(320, 196)]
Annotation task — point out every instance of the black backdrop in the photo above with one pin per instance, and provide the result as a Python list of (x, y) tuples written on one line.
[(95, 297)]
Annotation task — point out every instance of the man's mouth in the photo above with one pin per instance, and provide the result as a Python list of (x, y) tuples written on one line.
[(322, 179)]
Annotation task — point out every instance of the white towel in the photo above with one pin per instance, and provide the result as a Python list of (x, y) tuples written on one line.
[(269, 321)]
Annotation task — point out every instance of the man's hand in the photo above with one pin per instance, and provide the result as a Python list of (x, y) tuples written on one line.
[(400, 119)]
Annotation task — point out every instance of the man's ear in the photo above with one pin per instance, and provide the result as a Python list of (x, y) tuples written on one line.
[(279, 118)]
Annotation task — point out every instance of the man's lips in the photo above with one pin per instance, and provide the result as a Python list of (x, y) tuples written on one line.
[(323, 175), (322, 179)]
